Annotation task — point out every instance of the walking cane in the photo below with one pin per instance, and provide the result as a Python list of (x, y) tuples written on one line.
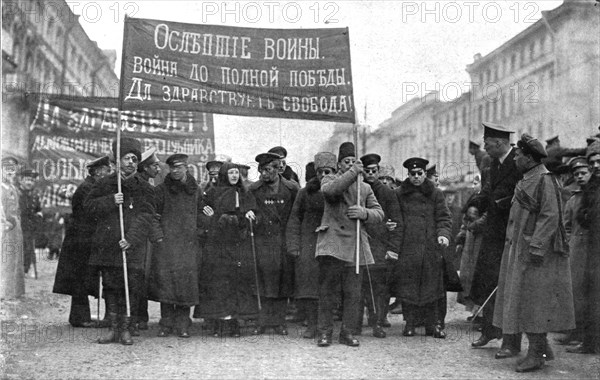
[(99, 294), (485, 303), (255, 264), (370, 284)]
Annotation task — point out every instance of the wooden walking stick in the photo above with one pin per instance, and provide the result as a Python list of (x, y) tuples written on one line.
[(485, 303), (255, 264), (99, 294)]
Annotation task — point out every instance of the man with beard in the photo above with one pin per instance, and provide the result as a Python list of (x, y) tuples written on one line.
[(103, 204), (275, 197), (496, 195), (73, 275), (384, 245), (336, 245), (534, 287), (589, 217)]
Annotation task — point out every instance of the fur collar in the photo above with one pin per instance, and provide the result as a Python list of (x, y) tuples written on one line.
[(426, 188), (190, 186)]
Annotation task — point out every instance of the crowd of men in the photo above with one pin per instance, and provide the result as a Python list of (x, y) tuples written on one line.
[(354, 237)]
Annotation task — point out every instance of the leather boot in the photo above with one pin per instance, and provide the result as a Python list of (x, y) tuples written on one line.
[(311, 317), (535, 354), (548, 353), (347, 338), (113, 331), (234, 331), (511, 346), (125, 337), (133, 327)]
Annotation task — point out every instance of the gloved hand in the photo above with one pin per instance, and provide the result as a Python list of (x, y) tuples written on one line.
[(389, 255), (356, 212), (443, 241)]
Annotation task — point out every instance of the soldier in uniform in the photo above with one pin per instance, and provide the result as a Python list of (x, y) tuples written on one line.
[(387, 175), (336, 245), (588, 217), (73, 274), (555, 152), (31, 216), (385, 246), (534, 287), (275, 197), (496, 196)]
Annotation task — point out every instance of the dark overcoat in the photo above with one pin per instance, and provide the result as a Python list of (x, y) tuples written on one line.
[(534, 298), (301, 236), (380, 239), (73, 271), (138, 212), (496, 195), (275, 267), (419, 271), (174, 265), (227, 279), (589, 217)]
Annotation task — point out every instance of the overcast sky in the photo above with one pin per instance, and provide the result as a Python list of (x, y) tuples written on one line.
[(395, 45)]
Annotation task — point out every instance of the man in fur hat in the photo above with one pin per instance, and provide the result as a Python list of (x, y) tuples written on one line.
[(336, 244), (103, 204)]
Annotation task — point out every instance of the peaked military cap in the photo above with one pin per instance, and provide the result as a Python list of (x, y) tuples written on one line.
[(415, 163), (496, 131), (265, 158), (279, 150), (431, 169), (577, 162), (102, 161), (370, 159), (552, 140), (177, 158), (473, 145)]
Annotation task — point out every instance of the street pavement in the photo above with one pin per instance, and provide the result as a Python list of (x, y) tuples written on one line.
[(38, 343)]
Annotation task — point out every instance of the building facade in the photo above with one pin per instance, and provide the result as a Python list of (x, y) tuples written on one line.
[(46, 50), (543, 81)]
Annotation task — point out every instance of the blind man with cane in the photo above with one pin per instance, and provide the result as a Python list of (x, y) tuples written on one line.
[(121, 279), (336, 244)]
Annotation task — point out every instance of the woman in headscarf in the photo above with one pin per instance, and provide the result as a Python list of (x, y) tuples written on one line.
[(227, 278)]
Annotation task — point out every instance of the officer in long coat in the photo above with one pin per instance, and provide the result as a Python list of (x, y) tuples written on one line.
[(174, 267), (385, 246), (73, 275), (496, 195), (336, 245), (275, 197), (534, 288), (301, 240), (102, 203), (31, 216)]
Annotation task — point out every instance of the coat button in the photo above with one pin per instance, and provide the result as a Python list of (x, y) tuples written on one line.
[(239, 264), (342, 227)]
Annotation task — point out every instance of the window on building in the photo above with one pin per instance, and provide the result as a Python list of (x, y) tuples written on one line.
[(464, 117), (487, 115), (488, 76), (447, 126), (455, 120), (479, 115), (522, 56), (513, 62), (494, 110), (542, 45), (503, 107), (462, 150), (480, 78), (551, 77), (532, 51)]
